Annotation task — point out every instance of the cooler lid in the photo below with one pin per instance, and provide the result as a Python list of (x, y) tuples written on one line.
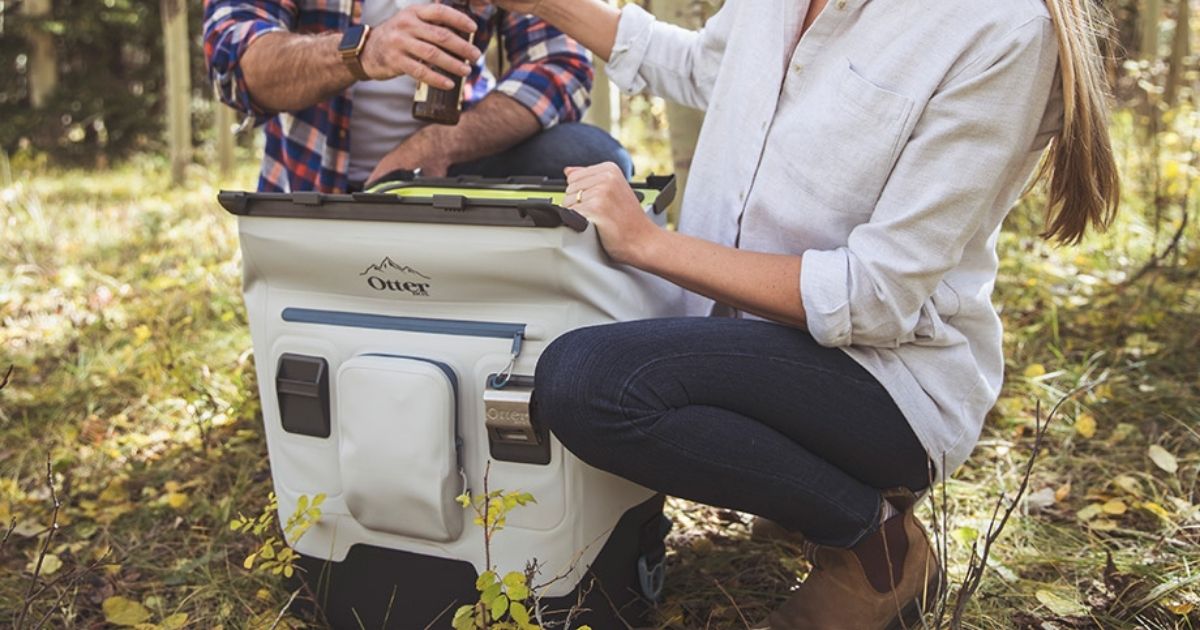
[(512, 202)]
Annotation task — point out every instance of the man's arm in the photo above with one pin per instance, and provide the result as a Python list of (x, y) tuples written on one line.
[(495, 124), (286, 71)]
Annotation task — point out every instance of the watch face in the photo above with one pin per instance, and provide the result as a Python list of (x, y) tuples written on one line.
[(352, 37)]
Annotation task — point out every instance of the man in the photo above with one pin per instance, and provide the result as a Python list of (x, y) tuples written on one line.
[(334, 83)]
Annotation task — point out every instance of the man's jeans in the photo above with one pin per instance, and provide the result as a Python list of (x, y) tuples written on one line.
[(549, 152), (735, 413)]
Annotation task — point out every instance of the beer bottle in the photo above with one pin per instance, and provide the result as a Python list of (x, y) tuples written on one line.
[(436, 105)]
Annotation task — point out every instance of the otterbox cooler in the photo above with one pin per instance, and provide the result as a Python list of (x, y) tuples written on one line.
[(396, 334)]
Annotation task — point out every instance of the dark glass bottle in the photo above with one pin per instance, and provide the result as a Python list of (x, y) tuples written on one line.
[(435, 105)]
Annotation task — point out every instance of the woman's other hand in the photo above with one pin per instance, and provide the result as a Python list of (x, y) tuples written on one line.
[(515, 6), (602, 195)]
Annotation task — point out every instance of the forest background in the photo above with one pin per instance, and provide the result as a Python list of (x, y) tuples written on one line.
[(132, 378)]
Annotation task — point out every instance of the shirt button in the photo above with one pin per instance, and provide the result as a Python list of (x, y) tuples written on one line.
[(841, 4), (797, 67)]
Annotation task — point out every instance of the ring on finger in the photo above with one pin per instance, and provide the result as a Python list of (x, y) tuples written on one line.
[(579, 197)]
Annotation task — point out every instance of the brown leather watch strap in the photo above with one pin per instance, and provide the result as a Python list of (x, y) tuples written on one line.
[(353, 57)]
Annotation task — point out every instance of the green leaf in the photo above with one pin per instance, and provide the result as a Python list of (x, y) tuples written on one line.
[(485, 579), (464, 618), (491, 592), (518, 593), (248, 563), (519, 613), (499, 606), (514, 578)]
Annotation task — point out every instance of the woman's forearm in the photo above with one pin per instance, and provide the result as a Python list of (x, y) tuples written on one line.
[(592, 23), (766, 285)]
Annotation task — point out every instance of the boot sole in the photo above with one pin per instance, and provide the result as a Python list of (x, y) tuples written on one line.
[(910, 617)]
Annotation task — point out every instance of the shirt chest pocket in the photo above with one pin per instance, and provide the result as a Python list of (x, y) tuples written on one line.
[(841, 136)]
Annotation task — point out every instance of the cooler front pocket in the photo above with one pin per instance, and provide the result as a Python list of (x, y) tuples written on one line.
[(397, 419)]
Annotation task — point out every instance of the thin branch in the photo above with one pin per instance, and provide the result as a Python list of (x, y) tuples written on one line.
[(733, 602), (1005, 508), (31, 595), (7, 376), (283, 611)]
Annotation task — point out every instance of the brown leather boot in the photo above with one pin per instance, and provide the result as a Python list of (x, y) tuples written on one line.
[(766, 530), (886, 582)]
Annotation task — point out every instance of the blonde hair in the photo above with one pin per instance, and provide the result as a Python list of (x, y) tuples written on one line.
[(1084, 186)]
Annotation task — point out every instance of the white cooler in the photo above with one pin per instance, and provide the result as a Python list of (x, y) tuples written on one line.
[(396, 334)]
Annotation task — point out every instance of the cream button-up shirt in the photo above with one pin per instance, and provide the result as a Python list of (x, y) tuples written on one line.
[(885, 147)]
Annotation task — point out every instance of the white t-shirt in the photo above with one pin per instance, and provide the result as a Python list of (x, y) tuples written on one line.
[(382, 115)]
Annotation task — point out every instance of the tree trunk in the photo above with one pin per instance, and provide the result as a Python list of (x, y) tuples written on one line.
[(684, 122), (1150, 14), (600, 113), (43, 56), (179, 86), (224, 130), (1181, 49)]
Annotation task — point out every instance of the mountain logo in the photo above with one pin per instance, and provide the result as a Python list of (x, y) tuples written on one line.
[(389, 276)]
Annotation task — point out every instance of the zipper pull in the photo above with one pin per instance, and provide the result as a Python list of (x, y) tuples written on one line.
[(501, 380)]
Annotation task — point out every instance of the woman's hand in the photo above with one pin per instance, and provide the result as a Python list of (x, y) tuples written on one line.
[(518, 6), (602, 195)]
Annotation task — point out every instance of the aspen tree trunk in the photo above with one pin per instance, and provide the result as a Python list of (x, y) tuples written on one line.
[(1181, 49), (1150, 14), (43, 56), (224, 131), (684, 122), (601, 112), (179, 86)]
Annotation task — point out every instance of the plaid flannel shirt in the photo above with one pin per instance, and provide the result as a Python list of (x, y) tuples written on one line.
[(549, 73)]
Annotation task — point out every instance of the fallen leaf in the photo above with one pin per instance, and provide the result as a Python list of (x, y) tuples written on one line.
[(177, 500), (50, 565), (1063, 492), (1116, 507), (1061, 605), (1163, 459), (1035, 370), (176, 621), (1156, 510), (1041, 499), (124, 612), (1090, 512), (1085, 425)]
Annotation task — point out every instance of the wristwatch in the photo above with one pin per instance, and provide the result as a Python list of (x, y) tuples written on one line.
[(353, 42)]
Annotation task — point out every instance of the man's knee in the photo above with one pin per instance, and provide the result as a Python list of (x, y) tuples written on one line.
[(579, 144)]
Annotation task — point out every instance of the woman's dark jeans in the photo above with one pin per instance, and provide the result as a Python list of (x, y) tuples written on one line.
[(739, 414)]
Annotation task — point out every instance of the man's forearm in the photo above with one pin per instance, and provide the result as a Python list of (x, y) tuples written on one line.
[(289, 72), (497, 123)]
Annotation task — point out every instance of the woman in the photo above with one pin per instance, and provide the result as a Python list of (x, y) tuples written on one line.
[(856, 162)]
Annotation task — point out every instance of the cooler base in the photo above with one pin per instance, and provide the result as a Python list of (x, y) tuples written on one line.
[(388, 589)]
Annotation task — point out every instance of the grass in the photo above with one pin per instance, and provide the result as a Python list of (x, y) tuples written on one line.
[(121, 314)]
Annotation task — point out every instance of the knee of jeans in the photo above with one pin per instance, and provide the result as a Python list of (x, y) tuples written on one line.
[(585, 145), (566, 392)]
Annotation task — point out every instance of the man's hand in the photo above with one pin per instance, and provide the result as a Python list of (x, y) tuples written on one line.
[(418, 37), (420, 151)]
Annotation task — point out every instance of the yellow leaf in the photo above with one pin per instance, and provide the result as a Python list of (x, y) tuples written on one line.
[(1062, 493), (1163, 459), (1103, 525), (177, 500), (171, 486), (1035, 370), (176, 621), (1060, 605), (1182, 609), (1085, 425), (112, 569), (1156, 510), (120, 611), (50, 565), (263, 594), (1116, 507), (141, 334)]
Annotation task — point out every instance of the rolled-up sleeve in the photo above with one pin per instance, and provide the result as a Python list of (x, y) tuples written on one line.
[(672, 62), (551, 74), (230, 27), (961, 157)]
